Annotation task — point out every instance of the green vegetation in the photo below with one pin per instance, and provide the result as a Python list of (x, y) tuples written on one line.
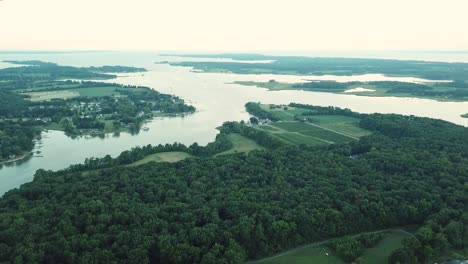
[(307, 256), (370, 252), (35, 97), (349, 248), (299, 139), (465, 115), (334, 66), (240, 144), (163, 157), (300, 125), (446, 91), (454, 90), (232, 208), (381, 252)]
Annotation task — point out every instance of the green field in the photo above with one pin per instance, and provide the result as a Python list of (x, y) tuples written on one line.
[(306, 133), (284, 113), (381, 252), (240, 144), (298, 139), (309, 255), (76, 92), (327, 135), (333, 119), (317, 254), (293, 126), (163, 157), (318, 129), (49, 95)]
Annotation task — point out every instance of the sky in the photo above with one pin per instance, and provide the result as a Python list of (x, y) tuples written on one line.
[(233, 25)]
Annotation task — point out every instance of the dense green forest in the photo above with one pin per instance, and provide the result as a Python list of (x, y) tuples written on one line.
[(230, 208), (335, 66), (35, 97)]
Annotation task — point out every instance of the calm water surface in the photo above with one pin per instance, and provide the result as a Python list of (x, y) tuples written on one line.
[(216, 98)]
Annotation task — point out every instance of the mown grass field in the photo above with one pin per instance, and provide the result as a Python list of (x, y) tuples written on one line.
[(163, 157), (44, 96), (309, 255), (71, 92), (298, 139), (240, 144), (381, 252), (318, 254)]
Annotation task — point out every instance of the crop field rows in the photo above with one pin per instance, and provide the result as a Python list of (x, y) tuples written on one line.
[(305, 133)]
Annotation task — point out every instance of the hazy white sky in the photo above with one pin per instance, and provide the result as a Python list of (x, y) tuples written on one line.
[(234, 24)]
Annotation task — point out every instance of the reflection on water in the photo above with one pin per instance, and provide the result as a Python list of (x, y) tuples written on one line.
[(217, 100)]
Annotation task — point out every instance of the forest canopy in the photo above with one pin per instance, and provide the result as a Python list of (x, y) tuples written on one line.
[(230, 208)]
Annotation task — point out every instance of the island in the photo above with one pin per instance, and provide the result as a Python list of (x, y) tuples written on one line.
[(465, 115), (43, 96), (322, 182), (446, 81)]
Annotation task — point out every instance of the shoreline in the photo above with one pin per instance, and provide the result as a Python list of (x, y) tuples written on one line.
[(17, 159)]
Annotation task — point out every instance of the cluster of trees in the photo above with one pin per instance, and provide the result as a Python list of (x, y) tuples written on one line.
[(155, 101), (389, 86), (88, 123), (221, 143), (12, 105), (16, 139), (256, 110), (329, 86), (336, 66), (229, 208), (350, 248), (116, 69), (41, 71), (448, 229), (326, 110), (260, 137)]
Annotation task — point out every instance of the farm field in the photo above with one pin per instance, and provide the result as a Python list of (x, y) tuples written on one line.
[(44, 96), (240, 144), (316, 130), (163, 157), (76, 92), (296, 132)]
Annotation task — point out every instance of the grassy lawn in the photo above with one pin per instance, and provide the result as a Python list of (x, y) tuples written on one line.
[(351, 129), (331, 119), (163, 157), (384, 248), (97, 91), (268, 128), (240, 144), (310, 255), (317, 254), (327, 135), (71, 92)]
